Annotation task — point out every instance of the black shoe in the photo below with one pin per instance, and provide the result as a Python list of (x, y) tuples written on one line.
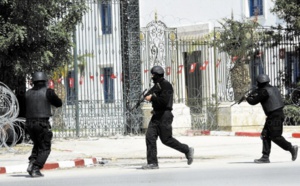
[(294, 152), (150, 166), (190, 156), (30, 167), (262, 160), (36, 172)]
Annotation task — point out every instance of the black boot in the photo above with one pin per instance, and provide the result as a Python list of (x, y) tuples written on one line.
[(36, 172), (294, 152), (190, 156), (30, 167), (263, 159)]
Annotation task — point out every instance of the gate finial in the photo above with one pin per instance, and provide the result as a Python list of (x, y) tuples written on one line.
[(155, 16)]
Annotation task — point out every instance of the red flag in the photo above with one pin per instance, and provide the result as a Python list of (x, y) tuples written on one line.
[(101, 78), (59, 80), (145, 71), (81, 80), (51, 84), (168, 71), (180, 67), (71, 82), (218, 63), (234, 58), (113, 76), (204, 65), (91, 77), (193, 66)]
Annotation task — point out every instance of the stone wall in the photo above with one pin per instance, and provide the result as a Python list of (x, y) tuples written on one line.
[(240, 117), (181, 122), (237, 118)]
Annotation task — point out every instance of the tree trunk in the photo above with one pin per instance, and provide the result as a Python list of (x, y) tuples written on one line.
[(58, 121), (241, 81)]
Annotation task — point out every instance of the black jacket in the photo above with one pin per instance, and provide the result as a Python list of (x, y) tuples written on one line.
[(162, 96)]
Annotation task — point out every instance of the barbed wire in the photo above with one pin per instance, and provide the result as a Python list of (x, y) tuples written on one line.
[(10, 129)]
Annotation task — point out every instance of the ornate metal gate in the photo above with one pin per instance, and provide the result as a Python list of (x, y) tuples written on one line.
[(159, 47), (117, 60)]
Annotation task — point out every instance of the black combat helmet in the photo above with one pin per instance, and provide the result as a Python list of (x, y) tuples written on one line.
[(157, 70), (39, 76), (263, 78)]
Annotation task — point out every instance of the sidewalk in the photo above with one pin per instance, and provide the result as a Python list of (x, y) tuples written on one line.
[(210, 146)]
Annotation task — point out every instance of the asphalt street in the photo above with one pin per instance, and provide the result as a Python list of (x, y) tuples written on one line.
[(134, 147), (173, 173)]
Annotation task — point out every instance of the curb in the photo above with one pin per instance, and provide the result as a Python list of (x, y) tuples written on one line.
[(227, 133), (52, 165)]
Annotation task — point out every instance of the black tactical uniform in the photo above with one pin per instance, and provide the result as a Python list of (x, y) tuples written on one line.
[(161, 121), (272, 104), (38, 111)]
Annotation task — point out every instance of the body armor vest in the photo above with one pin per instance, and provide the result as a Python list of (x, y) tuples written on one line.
[(170, 102), (274, 101), (37, 105), (156, 90), (169, 105)]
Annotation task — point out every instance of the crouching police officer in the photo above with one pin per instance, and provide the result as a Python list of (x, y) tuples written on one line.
[(161, 97), (272, 104), (38, 111)]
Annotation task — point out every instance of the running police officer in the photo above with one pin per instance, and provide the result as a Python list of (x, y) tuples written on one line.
[(38, 111), (161, 97), (272, 104)]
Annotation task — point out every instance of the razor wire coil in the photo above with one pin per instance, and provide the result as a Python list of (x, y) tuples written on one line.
[(9, 121)]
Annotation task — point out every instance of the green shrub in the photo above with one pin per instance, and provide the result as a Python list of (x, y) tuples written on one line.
[(292, 114)]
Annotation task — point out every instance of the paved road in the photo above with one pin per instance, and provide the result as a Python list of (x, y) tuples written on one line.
[(132, 151), (173, 172)]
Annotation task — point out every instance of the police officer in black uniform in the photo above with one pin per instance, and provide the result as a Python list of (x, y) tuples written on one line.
[(271, 101), (161, 97), (38, 111)]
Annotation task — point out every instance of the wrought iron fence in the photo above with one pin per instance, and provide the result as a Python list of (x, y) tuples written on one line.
[(113, 56), (118, 71)]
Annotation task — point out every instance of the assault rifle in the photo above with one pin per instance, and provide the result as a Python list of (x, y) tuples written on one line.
[(244, 96), (141, 99), (142, 96)]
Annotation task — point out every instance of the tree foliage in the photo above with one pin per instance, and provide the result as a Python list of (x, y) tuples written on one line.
[(36, 35), (288, 10), (239, 39)]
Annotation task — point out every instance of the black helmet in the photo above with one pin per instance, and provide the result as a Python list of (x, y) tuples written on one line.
[(157, 70), (263, 78), (39, 76)]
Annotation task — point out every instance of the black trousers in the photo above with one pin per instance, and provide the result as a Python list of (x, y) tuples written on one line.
[(272, 131), (41, 135), (161, 125)]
